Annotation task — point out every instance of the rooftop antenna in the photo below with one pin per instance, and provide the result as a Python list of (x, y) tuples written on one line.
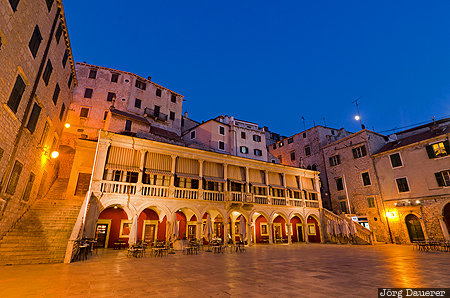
[(324, 122), (358, 116), (304, 126)]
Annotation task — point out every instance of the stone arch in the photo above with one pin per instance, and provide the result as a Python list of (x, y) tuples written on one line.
[(188, 219), (260, 226), (444, 220), (414, 227), (315, 237), (298, 227), (274, 214), (129, 210), (405, 228), (159, 209)]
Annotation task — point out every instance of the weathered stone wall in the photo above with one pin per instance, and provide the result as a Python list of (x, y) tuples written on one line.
[(16, 59)]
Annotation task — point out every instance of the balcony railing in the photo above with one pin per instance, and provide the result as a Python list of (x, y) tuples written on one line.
[(279, 201), (125, 188), (155, 191), (186, 193), (118, 187), (153, 114), (210, 195)]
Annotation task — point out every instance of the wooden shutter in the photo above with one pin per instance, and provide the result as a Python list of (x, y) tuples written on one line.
[(212, 170), (236, 173), (257, 177), (123, 159), (440, 178), (187, 167), (430, 152), (157, 163), (275, 179), (447, 147)]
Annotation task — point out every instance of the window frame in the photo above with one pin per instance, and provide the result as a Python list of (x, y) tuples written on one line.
[(292, 154), (137, 103), (401, 160), (257, 138), (83, 109), (257, 150), (86, 90), (192, 135), (116, 76), (358, 150), (308, 152), (342, 183), (218, 145), (92, 73), (35, 42), (446, 183), (220, 129), (128, 124), (33, 119), (246, 149), (371, 202), (407, 183), (334, 160), (362, 178)]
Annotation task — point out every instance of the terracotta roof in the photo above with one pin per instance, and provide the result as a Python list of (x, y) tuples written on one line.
[(129, 115), (432, 133), (165, 133)]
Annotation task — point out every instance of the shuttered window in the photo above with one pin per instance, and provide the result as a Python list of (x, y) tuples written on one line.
[(213, 171), (236, 173), (257, 177), (156, 163), (307, 183), (275, 179), (34, 117), (16, 94), (187, 167), (123, 159)]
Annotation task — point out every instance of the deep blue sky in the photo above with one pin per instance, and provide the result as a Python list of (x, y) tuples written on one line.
[(273, 63)]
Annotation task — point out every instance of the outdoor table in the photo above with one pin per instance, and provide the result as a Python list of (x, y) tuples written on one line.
[(83, 253)]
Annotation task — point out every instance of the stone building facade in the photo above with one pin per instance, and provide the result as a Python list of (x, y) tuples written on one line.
[(120, 101), (226, 134), (304, 150), (414, 177), (352, 180), (37, 78)]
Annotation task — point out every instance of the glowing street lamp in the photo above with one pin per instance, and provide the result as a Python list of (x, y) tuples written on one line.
[(357, 117), (54, 154), (67, 125)]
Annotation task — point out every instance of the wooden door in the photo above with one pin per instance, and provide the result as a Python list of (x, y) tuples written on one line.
[(101, 235), (149, 233)]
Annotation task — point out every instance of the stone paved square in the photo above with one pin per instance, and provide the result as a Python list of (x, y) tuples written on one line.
[(313, 270)]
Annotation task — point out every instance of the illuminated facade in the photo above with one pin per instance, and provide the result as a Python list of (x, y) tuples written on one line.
[(37, 78), (141, 185)]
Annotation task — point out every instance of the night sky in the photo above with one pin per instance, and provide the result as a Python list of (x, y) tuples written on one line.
[(273, 62)]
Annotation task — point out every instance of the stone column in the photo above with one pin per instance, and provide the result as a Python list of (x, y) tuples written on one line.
[(100, 162), (289, 232), (199, 230), (141, 173), (270, 232), (317, 186), (305, 229), (250, 233), (266, 179), (200, 182), (247, 182), (172, 178), (225, 231), (225, 177)]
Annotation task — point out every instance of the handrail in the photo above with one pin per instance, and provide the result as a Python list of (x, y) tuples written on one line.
[(186, 193), (155, 191), (212, 195), (116, 187)]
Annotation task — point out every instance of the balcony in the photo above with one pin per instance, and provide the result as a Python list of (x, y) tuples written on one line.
[(156, 115), (154, 191)]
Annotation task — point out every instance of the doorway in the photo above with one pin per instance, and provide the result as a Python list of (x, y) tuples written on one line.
[(102, 232), (149, 231), (300, 233), (278, 236), (414, 228)]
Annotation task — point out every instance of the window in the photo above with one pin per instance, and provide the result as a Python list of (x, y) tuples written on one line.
[(443, 178), (221, 145), (314, 167), (440, 149), (156, 111), (335, 160), (141, 85), (371, 202), (281, 144), (65, 57), (44, 134), (128, 125), (14, 178), (293, 155), (61, 113), (402, 184), (244, 149), (14, 4), (117, 175), (84, 112), (132, 177), (173, 98), (88, 93), (396, 161), (34, 117), (339, 183), (290, 140), (256, 138), (137, 103), (58, 33), (69, 82), (258, 152), (114, 77), (343, 206), (193, 134), (92, 73), (105, 115), (47, 72), (304, 135), (172, 116), (56, 94), (221, 130), (243, 135), (366, 179), (35, 41), (153, 179), (158, 92), (359, 151), (27, 192), (49, 4), (111, 96), (186, 182), (16, 94), (307, 151)]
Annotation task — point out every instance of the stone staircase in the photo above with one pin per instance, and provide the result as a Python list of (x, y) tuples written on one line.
[(42, 233)]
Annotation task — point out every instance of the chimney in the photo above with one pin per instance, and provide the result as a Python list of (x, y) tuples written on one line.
[(149, 78), (185, 114)]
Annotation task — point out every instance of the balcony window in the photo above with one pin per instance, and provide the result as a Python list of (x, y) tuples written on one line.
[(186, 183), (132, 177), (158, 180), (277, 192), (213, 186), (436, 150), (259, 190)]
